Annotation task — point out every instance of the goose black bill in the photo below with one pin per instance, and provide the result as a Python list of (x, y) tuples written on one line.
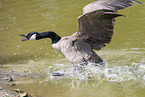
[(25, 37)]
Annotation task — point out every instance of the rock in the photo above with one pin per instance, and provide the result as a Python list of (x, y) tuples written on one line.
[(7, 95), (12, 84), (21, 93), (24, 94), (1, 88), (57, 74), (9, 79), (18, 91), (1, 66), (9, 83)]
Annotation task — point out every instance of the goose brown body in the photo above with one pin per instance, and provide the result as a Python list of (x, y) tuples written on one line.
[(76, 56)]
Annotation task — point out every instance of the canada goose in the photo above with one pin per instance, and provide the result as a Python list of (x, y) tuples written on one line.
[(95, 30)]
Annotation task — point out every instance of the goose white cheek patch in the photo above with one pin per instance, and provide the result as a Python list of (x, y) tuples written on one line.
[(33, 37)]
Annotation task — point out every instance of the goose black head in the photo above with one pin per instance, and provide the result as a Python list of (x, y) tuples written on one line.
[(36, 36), (29, 36)]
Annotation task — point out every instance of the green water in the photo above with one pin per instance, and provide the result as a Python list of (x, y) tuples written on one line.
[(32, 62)]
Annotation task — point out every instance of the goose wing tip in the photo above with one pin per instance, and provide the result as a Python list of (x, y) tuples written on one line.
[(137, 2)]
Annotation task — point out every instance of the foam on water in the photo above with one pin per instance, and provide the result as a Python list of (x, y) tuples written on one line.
[(41, 69)]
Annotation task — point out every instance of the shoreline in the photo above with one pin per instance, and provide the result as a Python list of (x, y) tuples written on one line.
[(7, 84), (5, 92)]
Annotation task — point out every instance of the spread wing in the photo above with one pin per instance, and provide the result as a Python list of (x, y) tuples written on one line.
[(97, 22)]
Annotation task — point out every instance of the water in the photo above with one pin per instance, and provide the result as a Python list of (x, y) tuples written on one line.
[(32, 62)]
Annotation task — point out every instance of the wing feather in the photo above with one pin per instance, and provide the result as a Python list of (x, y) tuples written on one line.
[(97, 22), (108, 4)]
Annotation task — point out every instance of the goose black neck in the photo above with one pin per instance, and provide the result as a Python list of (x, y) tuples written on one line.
[(49, 34)]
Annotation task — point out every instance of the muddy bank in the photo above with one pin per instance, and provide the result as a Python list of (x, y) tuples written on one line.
[(8, 83), (4, 92)]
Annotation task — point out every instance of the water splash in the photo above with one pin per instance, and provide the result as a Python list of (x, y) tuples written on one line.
[(90, 73)]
